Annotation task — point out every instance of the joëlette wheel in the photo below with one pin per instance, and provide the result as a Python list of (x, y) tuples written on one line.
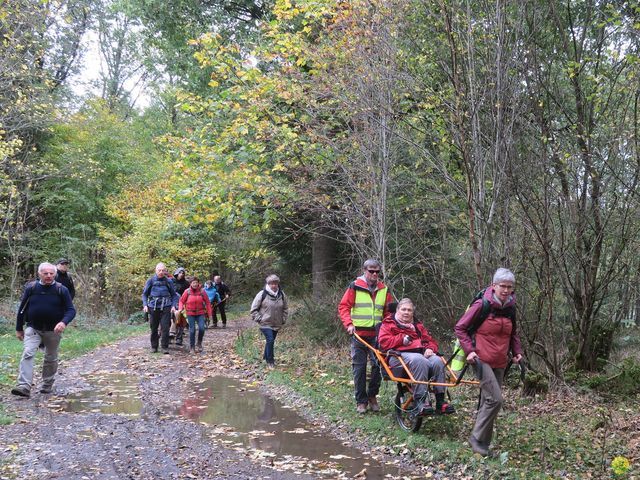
[(405, 411)]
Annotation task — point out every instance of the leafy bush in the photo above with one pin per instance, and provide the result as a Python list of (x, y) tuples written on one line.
[(629, 339), (625, 382), (7, 317), (534, 383), (319, 321), (137, 318)]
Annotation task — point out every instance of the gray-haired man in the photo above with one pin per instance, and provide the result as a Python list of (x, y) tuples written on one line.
[(160, 299), (46, 308)]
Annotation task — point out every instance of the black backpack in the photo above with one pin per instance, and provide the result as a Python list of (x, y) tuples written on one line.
[(28, 291), (458, 361), (264, 295), (509, 312)]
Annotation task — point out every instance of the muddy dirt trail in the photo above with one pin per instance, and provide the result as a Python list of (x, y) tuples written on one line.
[(122, 412)]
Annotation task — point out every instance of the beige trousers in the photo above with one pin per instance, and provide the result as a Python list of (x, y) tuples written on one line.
[(490, 402), (32, 340)]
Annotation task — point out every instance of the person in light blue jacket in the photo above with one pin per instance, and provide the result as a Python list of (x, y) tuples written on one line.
[(212, 293)]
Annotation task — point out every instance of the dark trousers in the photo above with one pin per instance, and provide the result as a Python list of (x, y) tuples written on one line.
[(359, 355), (269, 348), (160, 317), (223, 316)]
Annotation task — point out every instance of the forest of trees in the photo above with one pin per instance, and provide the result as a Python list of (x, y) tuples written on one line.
[(445, 137)]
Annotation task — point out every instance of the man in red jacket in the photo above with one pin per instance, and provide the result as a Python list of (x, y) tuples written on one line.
[(361, 310), (487, 346)]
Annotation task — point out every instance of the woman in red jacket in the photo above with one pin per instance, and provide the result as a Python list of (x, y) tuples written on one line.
[(196, 302), (419, 351), (487, 346)]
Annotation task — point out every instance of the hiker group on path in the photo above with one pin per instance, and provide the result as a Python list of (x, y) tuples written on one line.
[(486, 333), (172, 303)]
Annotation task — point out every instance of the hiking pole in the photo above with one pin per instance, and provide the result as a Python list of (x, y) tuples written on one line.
[(479, 375)]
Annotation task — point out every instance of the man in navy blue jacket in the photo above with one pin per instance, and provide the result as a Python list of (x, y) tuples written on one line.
[(46, 309), (160, 300)]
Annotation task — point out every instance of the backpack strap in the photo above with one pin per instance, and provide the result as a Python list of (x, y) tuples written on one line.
[(264, 295), (29, 291), (202, 294), (487, 309), (484, 312), (31, 286)]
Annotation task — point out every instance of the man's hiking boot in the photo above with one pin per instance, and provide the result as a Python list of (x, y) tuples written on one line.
[(361, 408), (373, 404), (478, 447), (165, 351), (46, 389), (224, 325), (192, 351), (21, 391), (154, 349)]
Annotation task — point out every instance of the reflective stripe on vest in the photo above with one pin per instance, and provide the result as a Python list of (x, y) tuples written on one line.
[(366, 313)]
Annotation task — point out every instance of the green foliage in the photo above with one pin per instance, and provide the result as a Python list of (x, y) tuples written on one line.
[(535, 383), (137, 318), (624, 381), (319, 321), (446, 138)]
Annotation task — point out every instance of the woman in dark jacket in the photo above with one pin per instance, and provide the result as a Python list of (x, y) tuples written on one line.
[(488, 349), (419, 351)]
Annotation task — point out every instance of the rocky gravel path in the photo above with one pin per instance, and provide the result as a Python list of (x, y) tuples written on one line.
[(47, 442)]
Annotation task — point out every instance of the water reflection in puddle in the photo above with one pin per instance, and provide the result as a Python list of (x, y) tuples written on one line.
[(244, 415), (111, 393)]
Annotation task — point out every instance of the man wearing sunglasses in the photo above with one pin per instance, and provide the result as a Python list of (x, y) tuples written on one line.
[(361, 310)]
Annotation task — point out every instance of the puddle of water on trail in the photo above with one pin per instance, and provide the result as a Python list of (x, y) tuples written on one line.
[(243, 415), (112, 393)]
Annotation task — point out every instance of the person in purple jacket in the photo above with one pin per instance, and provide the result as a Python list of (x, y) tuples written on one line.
[(46, 308), (487, 347)]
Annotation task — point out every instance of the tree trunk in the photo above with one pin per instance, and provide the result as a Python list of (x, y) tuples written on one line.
[(323, 260)]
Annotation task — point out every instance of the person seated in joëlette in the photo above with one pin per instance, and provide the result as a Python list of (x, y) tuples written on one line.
[(402, 333)]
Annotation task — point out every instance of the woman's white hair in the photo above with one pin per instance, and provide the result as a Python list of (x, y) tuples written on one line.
[(405, 300), (504, 275)]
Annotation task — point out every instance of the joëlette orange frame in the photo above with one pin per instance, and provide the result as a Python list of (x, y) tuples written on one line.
[(382, 358)]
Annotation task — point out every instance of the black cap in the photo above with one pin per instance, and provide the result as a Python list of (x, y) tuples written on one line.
[(62, 260)]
